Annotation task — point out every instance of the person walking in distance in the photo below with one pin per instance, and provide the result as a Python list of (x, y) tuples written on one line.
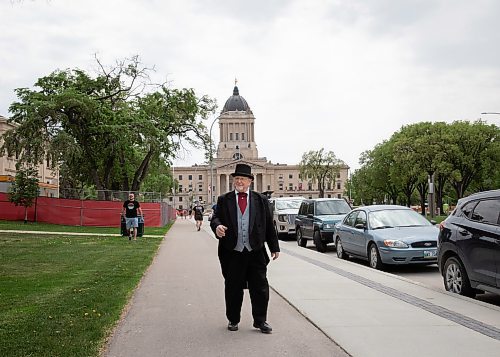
[(243, 223), (198, 214), (130, 209)]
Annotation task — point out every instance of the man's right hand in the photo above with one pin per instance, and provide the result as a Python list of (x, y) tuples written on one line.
[(220, 231)]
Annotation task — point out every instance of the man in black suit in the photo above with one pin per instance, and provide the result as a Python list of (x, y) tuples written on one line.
[(242, 223)]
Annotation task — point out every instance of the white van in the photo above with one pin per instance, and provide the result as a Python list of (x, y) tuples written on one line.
[(284, 211)]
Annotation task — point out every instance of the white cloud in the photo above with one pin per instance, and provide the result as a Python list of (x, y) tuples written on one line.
[(338, 74)]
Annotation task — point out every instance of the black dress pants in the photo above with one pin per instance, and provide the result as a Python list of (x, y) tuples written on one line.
[(240, 269)]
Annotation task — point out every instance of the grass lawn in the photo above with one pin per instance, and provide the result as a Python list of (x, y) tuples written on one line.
[(61, 295), (36, 226)]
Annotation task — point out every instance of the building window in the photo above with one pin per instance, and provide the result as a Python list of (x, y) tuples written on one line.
[(309, 186), (170, 199), (290, 187), (237, 136), (180, 188), (339, 196), (269, 187), (338, 174), (180, 206), (290, 176), (329, 186), (200, 198), (338, 185), (200, 177), (230, 136), (280, 176), (281, 187), (190, 177), (180, 199), (242, 136), (200, 188), (180, 177)]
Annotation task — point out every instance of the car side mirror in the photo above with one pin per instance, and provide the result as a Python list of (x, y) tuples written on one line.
[(310, 215), (360, 226), (433, 222)]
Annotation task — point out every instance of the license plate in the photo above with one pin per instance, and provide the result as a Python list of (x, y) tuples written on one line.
[(430, 253)]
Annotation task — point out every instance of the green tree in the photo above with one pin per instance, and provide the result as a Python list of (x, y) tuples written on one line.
[(24, 189), (320, 167), (105, 130), (421, 152), (473, 149)]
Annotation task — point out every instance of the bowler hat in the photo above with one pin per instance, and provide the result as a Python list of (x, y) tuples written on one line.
[(243, 170)]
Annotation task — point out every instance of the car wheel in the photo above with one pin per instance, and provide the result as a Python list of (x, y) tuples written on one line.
[(320, 246), (374, 257), (301, 241), (456, 279), (341, 254)]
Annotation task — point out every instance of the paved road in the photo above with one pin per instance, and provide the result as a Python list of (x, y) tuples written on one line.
[(179, 310)]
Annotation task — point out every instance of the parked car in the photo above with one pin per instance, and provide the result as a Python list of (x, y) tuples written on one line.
[(387, 234), (469, 245), (285, 210), (316, 220)]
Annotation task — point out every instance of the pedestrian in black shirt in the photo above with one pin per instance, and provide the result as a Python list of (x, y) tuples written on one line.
[(130, 209)]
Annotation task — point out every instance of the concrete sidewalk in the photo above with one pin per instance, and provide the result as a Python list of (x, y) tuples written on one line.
[(179, 309)]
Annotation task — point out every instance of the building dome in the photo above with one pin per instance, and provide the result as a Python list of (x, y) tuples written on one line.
[(236, 103)]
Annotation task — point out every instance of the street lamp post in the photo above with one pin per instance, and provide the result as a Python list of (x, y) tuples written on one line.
[(173, 189), (212, 164)]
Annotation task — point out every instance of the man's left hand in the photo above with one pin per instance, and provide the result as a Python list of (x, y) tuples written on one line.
[(275, 255)]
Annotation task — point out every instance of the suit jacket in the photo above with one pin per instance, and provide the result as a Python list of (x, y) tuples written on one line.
[(261, 227)]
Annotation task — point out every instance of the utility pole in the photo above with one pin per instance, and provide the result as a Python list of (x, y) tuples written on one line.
[(431, 195)]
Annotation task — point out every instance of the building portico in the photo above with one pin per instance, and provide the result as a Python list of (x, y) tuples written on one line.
[(237, 145)]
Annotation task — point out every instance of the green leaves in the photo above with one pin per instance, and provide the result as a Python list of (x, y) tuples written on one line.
[(459, 155), (24, 189), (321, 167), (105, 129)]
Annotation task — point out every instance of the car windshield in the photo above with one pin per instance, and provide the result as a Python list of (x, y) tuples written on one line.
[(390, 218), (288, 204), (332, 207)]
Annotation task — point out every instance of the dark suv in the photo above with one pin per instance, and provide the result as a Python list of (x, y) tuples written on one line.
[(469, 245), (316, 220)]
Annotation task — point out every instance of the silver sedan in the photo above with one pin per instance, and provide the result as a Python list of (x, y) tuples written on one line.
[(387, 234)]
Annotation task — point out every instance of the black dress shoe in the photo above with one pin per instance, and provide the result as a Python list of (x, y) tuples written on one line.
[(263, 326), (232, 327)]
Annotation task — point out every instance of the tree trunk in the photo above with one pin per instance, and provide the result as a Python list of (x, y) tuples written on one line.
[(439, 183), (25, 214), (422, 190), (141, 172)]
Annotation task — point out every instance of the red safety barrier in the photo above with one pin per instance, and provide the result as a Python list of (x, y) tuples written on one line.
[(82, 212)]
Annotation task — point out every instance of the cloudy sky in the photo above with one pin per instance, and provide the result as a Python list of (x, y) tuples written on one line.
[(336, 74)]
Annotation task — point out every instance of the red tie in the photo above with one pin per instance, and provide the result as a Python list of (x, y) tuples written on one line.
[(242, 201)]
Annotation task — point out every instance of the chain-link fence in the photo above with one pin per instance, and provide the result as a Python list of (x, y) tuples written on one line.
[(109, 195)]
